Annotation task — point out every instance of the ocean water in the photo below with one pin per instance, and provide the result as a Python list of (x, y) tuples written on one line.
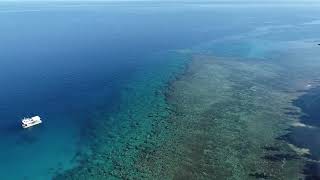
[(77, 64)]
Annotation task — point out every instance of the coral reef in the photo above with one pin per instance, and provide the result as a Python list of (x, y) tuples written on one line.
[(220, 118)]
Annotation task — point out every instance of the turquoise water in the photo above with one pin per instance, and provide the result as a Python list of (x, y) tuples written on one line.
[(76, 64)]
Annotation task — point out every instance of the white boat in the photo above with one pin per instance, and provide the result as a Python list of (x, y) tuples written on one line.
[(29, 122)]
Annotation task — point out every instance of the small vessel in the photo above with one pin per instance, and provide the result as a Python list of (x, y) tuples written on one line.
[(29, 122)]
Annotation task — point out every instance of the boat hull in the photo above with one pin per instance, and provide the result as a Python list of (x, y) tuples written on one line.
[(29, 122)]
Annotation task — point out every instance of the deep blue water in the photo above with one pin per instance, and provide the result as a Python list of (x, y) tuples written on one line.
[(309, 138), (65, 62)]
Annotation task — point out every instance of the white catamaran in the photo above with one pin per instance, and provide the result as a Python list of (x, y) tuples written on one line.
[(29, 122)]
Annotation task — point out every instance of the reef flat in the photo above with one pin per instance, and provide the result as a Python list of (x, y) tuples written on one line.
[(226, 120), (217, 118), (231, 117)]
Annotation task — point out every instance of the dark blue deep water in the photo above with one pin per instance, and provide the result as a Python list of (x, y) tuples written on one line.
[(67, 62), (310, 105)]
